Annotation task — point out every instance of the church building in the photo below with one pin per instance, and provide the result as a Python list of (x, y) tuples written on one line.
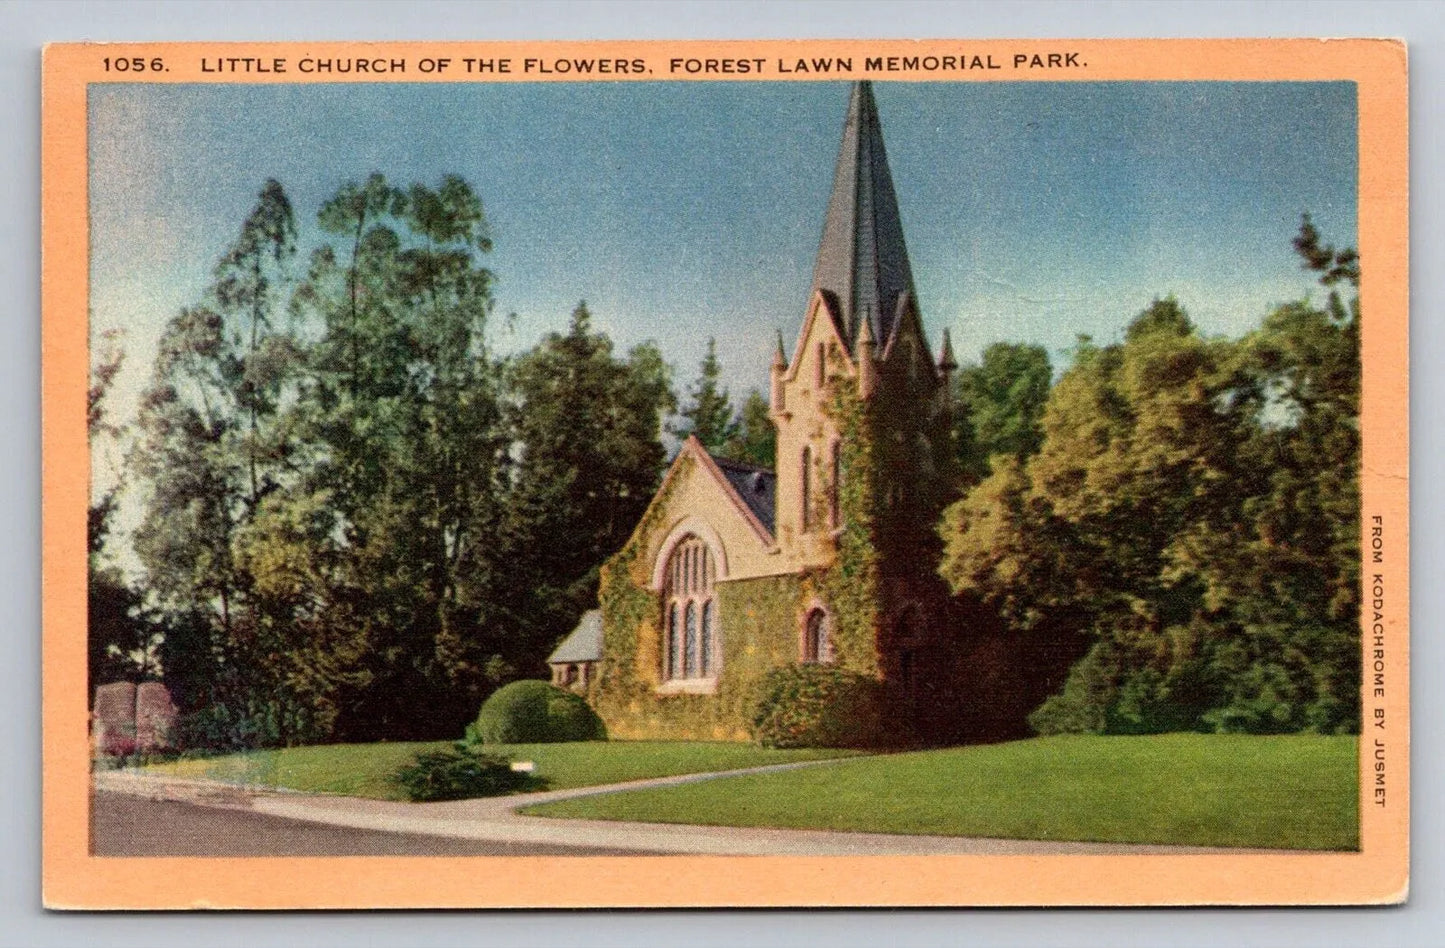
[(830, 558)]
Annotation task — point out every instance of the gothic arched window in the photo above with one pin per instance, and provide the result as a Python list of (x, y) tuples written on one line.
[(692, 644)]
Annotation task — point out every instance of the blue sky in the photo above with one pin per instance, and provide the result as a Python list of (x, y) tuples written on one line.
[(1033, 211)]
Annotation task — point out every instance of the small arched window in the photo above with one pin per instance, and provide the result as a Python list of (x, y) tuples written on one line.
[(692, 644), (817, 638)]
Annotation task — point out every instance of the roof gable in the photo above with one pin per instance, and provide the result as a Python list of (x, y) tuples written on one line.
[(753, 498), (583, 644)]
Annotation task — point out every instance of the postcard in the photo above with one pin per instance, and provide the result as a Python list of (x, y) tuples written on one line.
[(697, 474)]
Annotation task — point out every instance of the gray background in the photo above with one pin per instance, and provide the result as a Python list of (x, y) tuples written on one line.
[(25, 26)]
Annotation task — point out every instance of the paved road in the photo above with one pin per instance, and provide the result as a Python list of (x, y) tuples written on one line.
[(134, 826)]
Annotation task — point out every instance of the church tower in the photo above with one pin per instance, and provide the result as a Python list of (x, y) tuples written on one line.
[(861, 324), (863, 416), (831, 558)]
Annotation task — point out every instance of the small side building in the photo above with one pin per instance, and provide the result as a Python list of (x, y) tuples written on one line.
[(574, 662)]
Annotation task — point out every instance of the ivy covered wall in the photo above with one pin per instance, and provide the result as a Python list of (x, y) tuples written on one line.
[(759, 619)]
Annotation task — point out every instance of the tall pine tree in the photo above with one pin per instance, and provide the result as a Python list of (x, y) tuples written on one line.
[(708, 414), (587, 428)]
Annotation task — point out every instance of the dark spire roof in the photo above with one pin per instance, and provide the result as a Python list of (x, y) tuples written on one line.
[(862, 262)]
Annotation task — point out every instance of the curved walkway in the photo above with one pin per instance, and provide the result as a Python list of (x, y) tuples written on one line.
[(496, 819)]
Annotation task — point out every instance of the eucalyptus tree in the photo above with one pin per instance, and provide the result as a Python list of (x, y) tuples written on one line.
[(402, 419), (210, 447)]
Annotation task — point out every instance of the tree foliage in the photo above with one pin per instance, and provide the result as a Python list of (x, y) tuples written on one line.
[(586, 428), (756, 437), (1192, 510), (369, 553), (122, 633), (1000, 406), (212, 445)]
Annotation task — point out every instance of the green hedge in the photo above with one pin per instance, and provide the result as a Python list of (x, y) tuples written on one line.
[(535, 712), (818, 706)]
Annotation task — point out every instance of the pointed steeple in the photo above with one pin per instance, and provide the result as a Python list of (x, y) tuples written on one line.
[(862, 261), (947, 365), (867, 368), (946, 362), (777, 391)]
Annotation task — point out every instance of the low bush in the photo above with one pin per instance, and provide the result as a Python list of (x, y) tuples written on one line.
[(135, 759), (535, 712), (818, 706), (459, 773)]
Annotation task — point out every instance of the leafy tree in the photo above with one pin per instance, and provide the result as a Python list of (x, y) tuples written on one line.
[(1295, 583), (1001, 405), (708, 413), (756, 438), (211, 447), (371, 554), (250, 288), (196, 486)]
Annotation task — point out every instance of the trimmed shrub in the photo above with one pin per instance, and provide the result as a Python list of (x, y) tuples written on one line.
[(817, 706), (535, 712), (459, 774)]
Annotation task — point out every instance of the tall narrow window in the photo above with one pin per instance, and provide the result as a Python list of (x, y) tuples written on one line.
[(704, 650), (689, 643), (835, 485), (821, 369), (674, 643), (807, 490), (693, 640)]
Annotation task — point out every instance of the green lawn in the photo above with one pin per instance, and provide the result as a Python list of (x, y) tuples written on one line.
[(1297, 791), (364, 770)]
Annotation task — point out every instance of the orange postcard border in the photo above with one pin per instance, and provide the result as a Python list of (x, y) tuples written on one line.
[(73, 879)]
